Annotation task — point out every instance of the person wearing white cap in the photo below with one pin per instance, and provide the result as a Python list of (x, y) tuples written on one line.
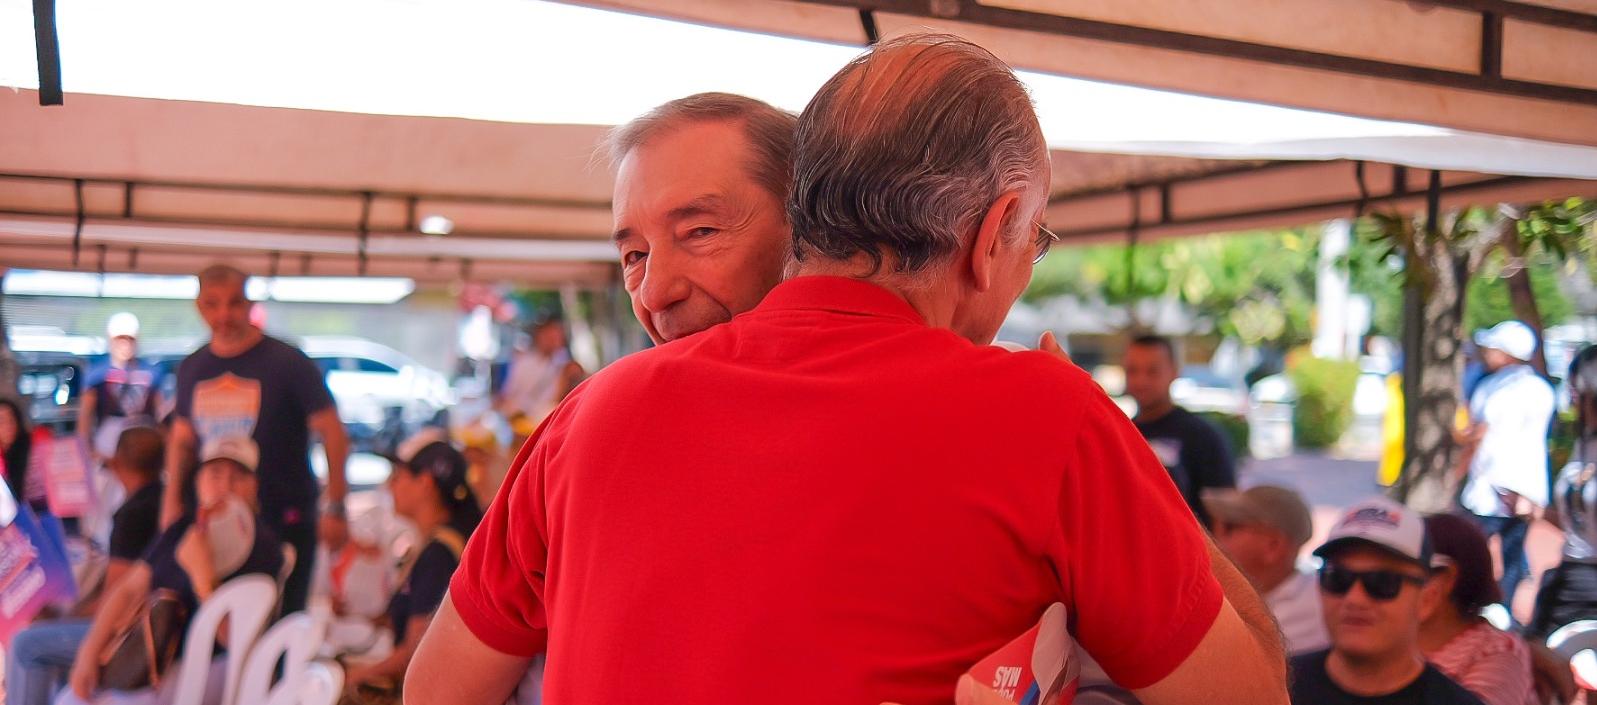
[(1505, 445), (223, 540), (1376, 585), (120, 392)]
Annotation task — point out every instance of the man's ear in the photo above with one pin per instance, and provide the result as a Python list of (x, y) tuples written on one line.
[(1433, 595), (990, 237)]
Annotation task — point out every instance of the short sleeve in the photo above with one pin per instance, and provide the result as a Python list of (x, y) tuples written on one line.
[(1133, 559), (429, 579), (309, 384), (165, 546), (133, 532), (498, 589)]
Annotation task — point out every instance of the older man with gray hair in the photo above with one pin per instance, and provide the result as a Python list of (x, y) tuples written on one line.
[(846, 495)]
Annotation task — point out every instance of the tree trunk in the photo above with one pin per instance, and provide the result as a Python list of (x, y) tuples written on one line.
[(1522, 295), (1428, 482)]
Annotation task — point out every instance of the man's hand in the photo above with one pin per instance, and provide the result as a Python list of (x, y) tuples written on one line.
[(1550, 672), (1050, 344), (194, 556), (333, 531)]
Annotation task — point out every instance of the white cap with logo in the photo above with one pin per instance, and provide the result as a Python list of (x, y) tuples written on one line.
[(122, 325), (1384, 524), (1512, 337), (239, 449)]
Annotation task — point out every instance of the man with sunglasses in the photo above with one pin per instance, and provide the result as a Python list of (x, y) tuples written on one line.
[(1376, 586)]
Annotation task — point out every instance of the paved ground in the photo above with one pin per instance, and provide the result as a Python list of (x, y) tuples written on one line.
[(1330, 483)]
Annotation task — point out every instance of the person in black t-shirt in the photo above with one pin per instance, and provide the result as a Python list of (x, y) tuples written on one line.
[(1375, 584), (430, 489), (246, 383), (1192, 449), (136, 464)]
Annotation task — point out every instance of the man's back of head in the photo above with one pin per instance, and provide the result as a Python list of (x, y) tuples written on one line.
[(140, 452), (902, 161)]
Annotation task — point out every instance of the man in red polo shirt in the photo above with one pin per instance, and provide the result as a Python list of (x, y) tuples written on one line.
[(844, 495)]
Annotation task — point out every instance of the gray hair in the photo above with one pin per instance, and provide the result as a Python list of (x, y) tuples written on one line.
[(225, 274), (904, 150), (769, 131)]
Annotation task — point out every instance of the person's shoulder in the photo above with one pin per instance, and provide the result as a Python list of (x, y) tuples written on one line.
[(1445, 691), (1310, 661), (437, 554)]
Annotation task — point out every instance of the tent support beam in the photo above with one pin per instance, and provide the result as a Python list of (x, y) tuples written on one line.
[(971, 11), (47, 48)]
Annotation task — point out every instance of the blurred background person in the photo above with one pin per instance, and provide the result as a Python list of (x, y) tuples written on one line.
[(430, 490), (224, 539), (1456, 639), (40, 655), (16, 444), (540, 375), (1263, 529), (246, 383), (1505, 445), (1376, 585), (1569, 591), (1192, 449), (120, 392), (486, 464)]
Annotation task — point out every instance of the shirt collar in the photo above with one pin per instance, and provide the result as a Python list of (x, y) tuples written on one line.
[(839, 294)]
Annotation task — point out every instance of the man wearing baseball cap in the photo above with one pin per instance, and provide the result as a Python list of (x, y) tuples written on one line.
[(1505, 445), (119, 392), (1263, 529), (1375, 585)]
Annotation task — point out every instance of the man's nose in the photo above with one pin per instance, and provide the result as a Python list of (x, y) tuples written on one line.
[(664, 283)]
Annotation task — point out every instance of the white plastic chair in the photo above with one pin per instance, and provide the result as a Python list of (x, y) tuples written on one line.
[(323, 683), (245, 602), (1576, 642), (294, 639)]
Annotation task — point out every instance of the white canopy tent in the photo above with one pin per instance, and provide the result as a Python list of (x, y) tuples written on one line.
[(332, 166)]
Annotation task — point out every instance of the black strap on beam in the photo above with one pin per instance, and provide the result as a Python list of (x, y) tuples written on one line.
[(410, 214), (133, 259), (1165, 212), (273, 264), (127, 199), (364, 233), (1433, 203), (77, 228), (867, 22), (1364, 190), (1491, 45), (100, 265), (47, 46)]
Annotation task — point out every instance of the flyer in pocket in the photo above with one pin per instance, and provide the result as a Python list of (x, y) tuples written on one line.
[(1037, 668)]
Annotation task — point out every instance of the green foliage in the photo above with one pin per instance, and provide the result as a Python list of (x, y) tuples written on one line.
[(1487, 300), (1234, 428), (1258, 287), (1324, 409)]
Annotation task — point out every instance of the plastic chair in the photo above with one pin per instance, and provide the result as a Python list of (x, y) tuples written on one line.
[(294, 639), (245, 602), (323, 683), (1574, 638)]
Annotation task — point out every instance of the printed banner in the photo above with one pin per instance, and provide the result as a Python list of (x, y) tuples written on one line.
[(33, 565), (1038, 668)]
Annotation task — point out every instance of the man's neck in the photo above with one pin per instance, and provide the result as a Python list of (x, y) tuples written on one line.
[(1155, 410), (133, 483), (233, 347), (927, 293), (1375, 676)]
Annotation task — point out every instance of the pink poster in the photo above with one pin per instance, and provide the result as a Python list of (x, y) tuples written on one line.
[(33, 565), (63, 463)]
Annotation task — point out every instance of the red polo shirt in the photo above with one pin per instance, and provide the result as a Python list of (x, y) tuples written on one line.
[(827, 501)]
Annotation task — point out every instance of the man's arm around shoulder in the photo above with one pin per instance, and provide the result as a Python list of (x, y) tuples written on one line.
[(453, 667), (1239, 661)]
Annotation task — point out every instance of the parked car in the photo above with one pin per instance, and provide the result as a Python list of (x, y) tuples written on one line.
[(382, 394), (51, 382)]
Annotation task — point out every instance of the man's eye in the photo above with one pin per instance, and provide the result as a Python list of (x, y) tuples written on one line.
[(702, 232), (633, 257)]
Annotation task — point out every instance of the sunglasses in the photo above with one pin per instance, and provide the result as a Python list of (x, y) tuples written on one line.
[(1045, 239), (1380, 585)]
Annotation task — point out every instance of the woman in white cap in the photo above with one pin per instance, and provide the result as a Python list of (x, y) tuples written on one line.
[(430, 488), (191, 559)]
